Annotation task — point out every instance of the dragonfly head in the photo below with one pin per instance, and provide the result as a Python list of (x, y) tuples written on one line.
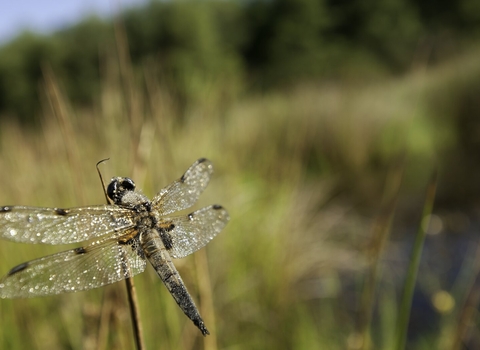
[(118, 187)]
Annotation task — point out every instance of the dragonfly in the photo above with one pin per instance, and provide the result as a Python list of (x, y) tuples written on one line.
[(121, 237)]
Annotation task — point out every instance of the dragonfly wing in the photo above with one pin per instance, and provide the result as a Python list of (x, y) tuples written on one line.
[(74, 270), (62, 226), (184, 235), (184, 192)]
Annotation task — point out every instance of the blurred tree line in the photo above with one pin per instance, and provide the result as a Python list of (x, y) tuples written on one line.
[(238, 45)]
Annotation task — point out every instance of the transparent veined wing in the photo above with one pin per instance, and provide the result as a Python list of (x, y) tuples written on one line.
[(184, 192), (74, 270), (62, 226), (184, 235)]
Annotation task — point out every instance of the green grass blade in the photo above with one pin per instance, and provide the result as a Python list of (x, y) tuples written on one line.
[(381, 231), (405, 307)]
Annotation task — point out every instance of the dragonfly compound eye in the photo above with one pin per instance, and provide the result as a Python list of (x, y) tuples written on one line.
[(117, 188), (127, 184)]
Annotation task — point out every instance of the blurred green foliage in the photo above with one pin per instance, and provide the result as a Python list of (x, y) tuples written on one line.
[(236, 45)]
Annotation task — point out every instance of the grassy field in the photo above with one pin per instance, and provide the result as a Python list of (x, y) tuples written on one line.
[(312, 178)]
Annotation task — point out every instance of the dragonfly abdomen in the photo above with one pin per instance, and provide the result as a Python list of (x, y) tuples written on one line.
[(158, 256)]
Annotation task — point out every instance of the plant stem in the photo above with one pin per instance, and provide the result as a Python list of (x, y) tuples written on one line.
[(134, 314), (405, 307)]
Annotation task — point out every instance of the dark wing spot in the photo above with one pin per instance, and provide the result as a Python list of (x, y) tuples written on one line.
[(170, 228), (201, 160), (191, 216), (5, 209), (217, 207), (60, 211), (80, 250), (18, 268)]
